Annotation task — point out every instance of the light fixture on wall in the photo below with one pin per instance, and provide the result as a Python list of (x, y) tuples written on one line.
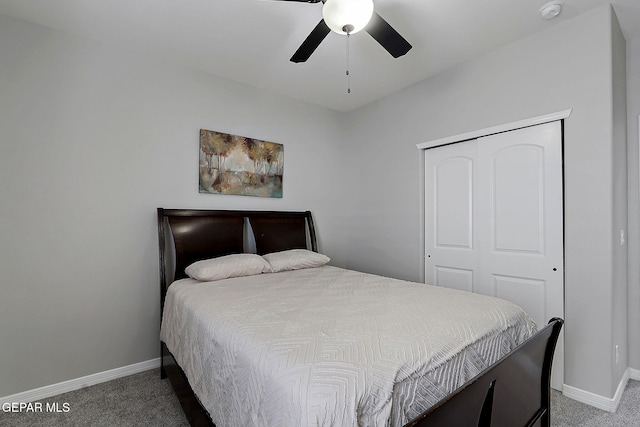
[(347, 16), (551, 10)]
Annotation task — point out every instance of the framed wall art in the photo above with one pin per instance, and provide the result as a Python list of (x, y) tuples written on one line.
[(232, 164)]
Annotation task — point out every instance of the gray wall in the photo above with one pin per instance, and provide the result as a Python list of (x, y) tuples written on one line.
[(567, 66), (633, 111), (620, 205), (92, 140)]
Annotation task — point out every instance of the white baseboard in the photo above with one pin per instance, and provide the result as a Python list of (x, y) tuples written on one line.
[(78, 383), (601, 402)]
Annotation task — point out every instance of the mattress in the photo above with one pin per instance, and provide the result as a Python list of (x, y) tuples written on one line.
[(331, 347)]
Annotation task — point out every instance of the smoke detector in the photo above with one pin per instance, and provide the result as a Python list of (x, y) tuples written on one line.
[(551, 10)]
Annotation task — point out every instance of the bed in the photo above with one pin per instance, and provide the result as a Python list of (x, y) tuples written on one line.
[(264, 331)]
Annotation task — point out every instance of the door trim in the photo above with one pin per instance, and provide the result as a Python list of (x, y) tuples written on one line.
[(551, 117)]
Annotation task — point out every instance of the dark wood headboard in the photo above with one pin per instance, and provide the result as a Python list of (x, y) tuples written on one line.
[(189, 235)]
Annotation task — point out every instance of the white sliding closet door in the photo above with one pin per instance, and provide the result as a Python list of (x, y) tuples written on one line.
[(451, 235), (494, 220)]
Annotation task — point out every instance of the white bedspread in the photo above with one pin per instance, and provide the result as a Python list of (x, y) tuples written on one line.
[(331, 347)]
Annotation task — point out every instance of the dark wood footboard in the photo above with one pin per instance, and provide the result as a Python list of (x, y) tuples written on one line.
[(514, 392)]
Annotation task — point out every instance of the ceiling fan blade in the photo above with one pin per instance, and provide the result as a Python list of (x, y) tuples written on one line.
[(312, 41), (389, 38)]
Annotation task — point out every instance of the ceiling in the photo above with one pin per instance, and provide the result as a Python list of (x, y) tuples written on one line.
[(251, 41)]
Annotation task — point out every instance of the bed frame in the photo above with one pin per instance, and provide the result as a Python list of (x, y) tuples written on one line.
[(513, 392)]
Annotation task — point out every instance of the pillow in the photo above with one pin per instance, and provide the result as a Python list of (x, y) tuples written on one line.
[(295, 259), (227, 266)]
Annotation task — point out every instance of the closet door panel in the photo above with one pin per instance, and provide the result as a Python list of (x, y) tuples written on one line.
[(450, 245), (517, 180)]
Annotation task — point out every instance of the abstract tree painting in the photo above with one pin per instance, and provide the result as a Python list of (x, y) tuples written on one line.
[(232, 164)]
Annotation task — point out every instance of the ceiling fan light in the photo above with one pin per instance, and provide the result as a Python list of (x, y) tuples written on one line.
[(340, 15)]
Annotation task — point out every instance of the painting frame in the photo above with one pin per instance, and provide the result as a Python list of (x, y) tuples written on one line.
[(239, 165)]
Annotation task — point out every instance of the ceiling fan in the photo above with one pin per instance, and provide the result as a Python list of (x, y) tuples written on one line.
[(349, 17)]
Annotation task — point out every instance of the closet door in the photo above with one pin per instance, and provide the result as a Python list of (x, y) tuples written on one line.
[(493, 220), (451, 232), (521, 218)]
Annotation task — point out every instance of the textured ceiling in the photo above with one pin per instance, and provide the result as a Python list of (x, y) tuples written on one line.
[(251, 41)]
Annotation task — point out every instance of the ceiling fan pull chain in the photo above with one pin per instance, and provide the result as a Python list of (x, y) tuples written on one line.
[(348, 76)]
